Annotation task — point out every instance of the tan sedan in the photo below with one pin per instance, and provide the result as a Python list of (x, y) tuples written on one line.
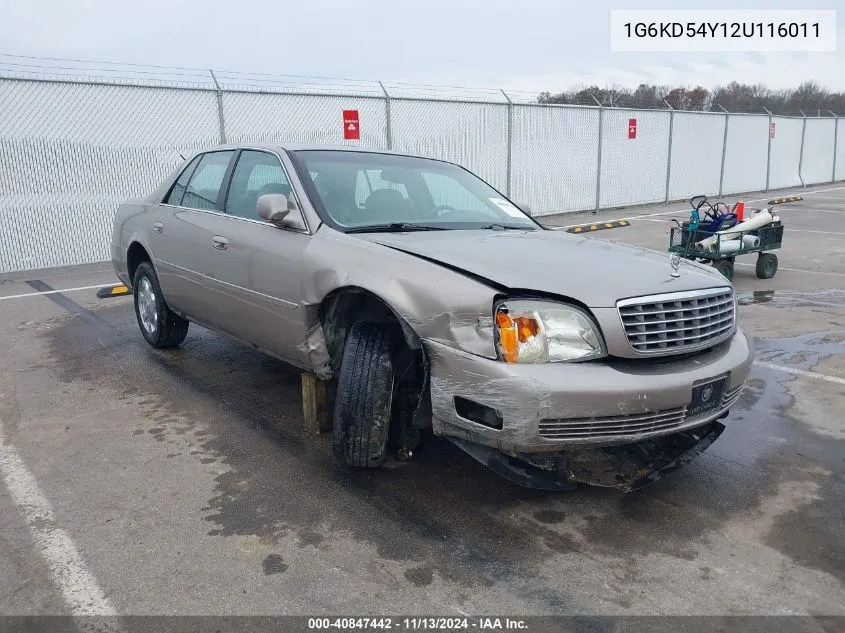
[(440, 307)]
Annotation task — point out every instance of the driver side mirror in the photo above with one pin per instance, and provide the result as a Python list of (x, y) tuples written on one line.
[(280, 210), (525, 209)]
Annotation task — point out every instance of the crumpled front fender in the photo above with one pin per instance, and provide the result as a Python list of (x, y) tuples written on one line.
[(437, 303)]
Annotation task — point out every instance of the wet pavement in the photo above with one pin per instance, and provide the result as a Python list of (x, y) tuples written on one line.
[(188, 485)]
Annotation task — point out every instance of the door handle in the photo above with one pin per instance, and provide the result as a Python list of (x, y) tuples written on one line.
[(158, 227), (220, 243)]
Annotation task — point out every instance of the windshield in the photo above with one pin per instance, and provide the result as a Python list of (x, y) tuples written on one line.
[(357, 190)]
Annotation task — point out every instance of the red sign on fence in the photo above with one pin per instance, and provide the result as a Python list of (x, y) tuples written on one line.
[(632, 128), (351, 125), (771, 130)]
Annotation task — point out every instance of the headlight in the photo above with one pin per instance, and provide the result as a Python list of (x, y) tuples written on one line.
[(536, 331)]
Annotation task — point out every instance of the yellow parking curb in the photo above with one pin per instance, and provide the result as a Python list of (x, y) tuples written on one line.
[(586, 228), (786, 199), (112, 291)]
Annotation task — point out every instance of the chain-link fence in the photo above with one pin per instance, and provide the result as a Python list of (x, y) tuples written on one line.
[(72, 151)]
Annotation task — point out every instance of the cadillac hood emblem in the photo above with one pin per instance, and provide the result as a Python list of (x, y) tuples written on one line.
[(675, 263)]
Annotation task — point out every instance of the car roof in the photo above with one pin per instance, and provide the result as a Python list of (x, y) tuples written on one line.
[(298, 147)]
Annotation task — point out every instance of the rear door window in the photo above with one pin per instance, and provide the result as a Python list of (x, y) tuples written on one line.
[(204, 186)]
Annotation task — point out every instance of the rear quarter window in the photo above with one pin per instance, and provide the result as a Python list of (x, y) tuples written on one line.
[(178, 189)]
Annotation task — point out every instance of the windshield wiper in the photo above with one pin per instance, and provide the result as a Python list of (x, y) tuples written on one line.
[(394, 227), (507, 227)]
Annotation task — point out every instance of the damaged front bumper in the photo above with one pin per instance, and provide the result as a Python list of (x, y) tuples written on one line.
[(627, 467), (622, 418)]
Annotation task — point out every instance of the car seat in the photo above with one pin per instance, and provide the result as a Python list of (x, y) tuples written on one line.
[(386, 205)]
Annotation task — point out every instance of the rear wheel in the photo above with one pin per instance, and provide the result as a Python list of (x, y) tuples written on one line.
[(726, 267), (767, 265), (160, 326), (364, 400)]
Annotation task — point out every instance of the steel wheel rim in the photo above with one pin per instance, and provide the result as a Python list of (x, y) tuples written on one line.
[(147, 307)]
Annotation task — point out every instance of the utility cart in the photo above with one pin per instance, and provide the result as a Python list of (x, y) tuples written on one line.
[(712, 235)]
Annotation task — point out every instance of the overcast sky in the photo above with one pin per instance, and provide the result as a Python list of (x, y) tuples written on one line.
[(529, 45)]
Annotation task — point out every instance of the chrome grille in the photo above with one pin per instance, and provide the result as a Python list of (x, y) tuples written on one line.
[(678, 322), (634, 424), (729, 398), (589, 428)]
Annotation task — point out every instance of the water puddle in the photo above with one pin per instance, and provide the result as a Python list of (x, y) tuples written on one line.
[(788, 298)]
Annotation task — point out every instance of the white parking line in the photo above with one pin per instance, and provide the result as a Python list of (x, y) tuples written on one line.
[(649, 215), (52, 292), (646, 219), (800, 372), (685, 209), (794, 270), (79, 588), (632, 217), (782, 208), (797, 270), (791, 230), (818, 191)]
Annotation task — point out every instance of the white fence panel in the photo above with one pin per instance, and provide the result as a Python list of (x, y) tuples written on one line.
[(840, 150), (786, 151), (633, 170), (818, 151), (555, 158), (473, 135), (71, 153), (747, 148), (696, 154), (310, 119)]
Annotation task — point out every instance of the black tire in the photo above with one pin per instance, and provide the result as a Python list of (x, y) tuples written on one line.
[(163, 327), (767, 265), (726, 267), (364, 400)]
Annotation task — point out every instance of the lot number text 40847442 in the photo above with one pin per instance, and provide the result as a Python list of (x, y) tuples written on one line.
[(418, 624)]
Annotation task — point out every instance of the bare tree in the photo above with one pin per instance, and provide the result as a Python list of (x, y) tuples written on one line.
[(699, 98), (809, 97)]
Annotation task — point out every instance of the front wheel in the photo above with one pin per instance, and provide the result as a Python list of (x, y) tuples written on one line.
[(160, 326), (767, 265), (364, 400)]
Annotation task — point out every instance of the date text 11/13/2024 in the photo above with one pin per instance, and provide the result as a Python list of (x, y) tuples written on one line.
[(417, 624)]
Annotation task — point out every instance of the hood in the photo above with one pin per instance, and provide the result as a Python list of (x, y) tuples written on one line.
[(595, 272)]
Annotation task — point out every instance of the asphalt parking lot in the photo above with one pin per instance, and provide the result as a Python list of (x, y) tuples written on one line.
[(182, 482)]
